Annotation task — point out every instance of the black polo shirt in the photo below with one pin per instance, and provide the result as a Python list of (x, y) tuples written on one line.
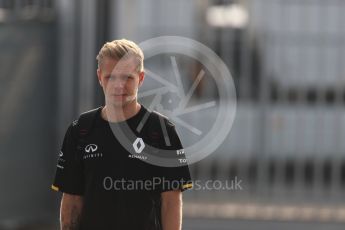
[(120, 191)]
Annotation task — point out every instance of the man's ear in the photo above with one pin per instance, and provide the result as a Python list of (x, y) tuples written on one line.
[(99, 76), (141, 77)]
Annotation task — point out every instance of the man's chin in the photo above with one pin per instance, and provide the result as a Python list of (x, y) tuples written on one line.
[(121, 103)]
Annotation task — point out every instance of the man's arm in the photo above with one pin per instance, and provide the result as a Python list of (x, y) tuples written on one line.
[(172, 210), (70, 211)]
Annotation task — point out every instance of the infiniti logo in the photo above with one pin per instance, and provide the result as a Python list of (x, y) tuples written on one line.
[(91, 148)]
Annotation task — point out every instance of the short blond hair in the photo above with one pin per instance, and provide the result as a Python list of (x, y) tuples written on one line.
[(118, 49)]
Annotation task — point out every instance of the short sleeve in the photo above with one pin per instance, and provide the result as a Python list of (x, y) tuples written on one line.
[(69, 169), (173, 178)]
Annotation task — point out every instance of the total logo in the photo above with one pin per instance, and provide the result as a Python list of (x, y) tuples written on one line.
[(91, 149), (138, 146)]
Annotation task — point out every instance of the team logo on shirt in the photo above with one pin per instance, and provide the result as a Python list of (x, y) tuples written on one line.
[(60, 161), (138, 145), (90, 148), (90, 151)]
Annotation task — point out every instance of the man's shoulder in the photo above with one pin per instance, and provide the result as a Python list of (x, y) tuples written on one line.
[(158, 114), (86, 114), (90, 112), (85, 120), (159, 117)]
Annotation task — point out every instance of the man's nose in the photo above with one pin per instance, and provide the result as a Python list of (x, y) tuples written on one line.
[(118, 83)]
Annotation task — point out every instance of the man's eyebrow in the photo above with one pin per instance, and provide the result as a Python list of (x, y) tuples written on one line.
[(119, 75), (126, 74)]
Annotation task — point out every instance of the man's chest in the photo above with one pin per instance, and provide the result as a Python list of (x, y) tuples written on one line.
[(107, 157)]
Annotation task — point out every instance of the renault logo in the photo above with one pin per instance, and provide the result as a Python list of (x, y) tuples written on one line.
[(138, 145), (91, 148)]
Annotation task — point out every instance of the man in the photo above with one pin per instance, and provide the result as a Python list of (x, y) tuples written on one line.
[(95, 171)]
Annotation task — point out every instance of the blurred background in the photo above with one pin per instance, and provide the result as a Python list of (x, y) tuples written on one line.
[(287, 142)]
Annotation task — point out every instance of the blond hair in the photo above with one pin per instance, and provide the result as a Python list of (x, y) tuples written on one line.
[(121, 48)]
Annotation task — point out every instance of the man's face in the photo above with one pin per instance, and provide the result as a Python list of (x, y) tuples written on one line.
[(120, 80)]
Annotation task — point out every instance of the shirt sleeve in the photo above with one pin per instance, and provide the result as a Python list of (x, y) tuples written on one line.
[(69, 169), (173, 178)]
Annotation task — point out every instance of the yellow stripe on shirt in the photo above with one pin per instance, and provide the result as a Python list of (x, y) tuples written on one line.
[(55, 188), (190, 185)]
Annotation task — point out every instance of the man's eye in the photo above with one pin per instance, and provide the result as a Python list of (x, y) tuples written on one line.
[(125, 78), (110, 77)]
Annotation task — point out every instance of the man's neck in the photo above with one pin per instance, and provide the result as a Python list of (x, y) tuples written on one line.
[(120, 113)]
